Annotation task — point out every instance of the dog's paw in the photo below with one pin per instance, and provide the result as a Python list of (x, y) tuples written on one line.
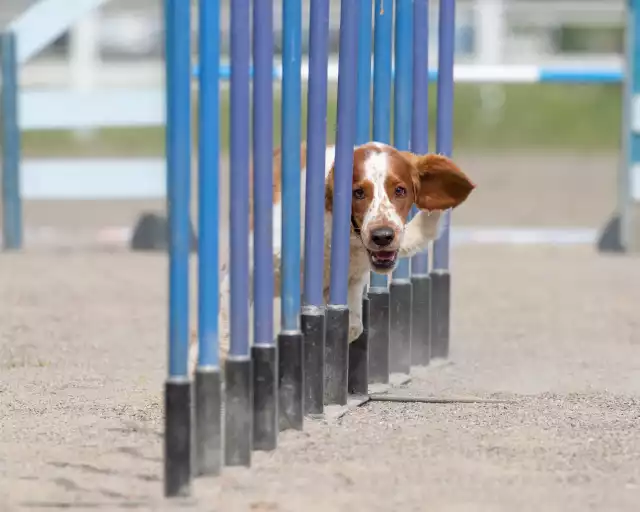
[(355, 330)]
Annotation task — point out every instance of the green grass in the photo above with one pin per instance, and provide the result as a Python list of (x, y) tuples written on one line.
[(570, 117)]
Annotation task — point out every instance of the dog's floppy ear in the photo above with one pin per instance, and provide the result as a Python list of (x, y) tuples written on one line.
[(440, 184)]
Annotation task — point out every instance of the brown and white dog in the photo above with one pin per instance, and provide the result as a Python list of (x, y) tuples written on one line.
[(386, 184)]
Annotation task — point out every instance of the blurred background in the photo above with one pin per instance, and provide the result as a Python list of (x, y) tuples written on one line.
[(544, 155)]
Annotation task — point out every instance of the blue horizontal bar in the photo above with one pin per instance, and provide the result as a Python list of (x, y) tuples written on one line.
[(580, 75), (225, 72), (544, 75)]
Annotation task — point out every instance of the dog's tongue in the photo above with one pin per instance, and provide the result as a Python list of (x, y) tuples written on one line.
[(385, 255)]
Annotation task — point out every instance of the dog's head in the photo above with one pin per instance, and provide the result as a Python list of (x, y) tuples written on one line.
[(386, 184)]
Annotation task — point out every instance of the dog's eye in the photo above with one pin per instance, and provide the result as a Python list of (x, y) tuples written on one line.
[(358, 194), (401, 191)]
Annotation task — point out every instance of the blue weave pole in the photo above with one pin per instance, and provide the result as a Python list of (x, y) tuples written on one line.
[(238, 368), (440, 275), (400, 290), (365, 47), (313, 311), (337, 342), (208, 397), (177, 468), (290, 344), (264, 350), (378, 290), (420, 279)]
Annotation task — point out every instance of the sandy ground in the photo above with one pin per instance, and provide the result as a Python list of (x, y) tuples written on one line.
[(553, 329)]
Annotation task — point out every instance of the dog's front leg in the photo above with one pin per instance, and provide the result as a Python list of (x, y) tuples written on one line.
[(354, 299), (422, 229)]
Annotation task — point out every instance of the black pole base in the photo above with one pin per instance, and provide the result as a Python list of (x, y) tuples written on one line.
[(313, 328), (379, 336), (208, 418), (177, 438), (359, 356), (291, 380), (336, 356), (400, 330), (421, 321), (440, 313), (265, 397), (238, 416)]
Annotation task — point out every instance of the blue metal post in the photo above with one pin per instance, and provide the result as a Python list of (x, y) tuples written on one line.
[(264, 352), (313, 316), (440, 275), (382, 79), (444, 121), (178, 156), (420, 110), (359, 349), (208, 398), (291, 363), (378, 290), (238, 368), (10, 142), (337, 343), (291, 107), (420, 280), (400, 289), (363, 100)]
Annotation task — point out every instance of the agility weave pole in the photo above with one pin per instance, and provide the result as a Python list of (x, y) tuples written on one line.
[(310, 369)]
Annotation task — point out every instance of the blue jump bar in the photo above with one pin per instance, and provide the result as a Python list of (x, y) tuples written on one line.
[(538, 75)]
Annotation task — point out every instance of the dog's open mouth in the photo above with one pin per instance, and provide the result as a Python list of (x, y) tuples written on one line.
[(383, 260)]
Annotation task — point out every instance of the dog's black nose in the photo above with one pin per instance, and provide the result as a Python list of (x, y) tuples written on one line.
[(382, 236)]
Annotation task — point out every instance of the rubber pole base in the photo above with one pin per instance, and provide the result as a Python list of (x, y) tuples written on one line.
[(336, 356), (265, 397), (359, 356), (378, 336), (238, 416), (400, 330), (440, 313), (313, 328), (208, 419), (291, 379), (421, 321), (177, 439)]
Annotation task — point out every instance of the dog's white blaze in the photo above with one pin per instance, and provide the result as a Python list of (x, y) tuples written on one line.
[(329, 158), (376, 170)]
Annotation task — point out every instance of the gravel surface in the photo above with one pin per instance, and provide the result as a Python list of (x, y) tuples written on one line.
[(556, 330)]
